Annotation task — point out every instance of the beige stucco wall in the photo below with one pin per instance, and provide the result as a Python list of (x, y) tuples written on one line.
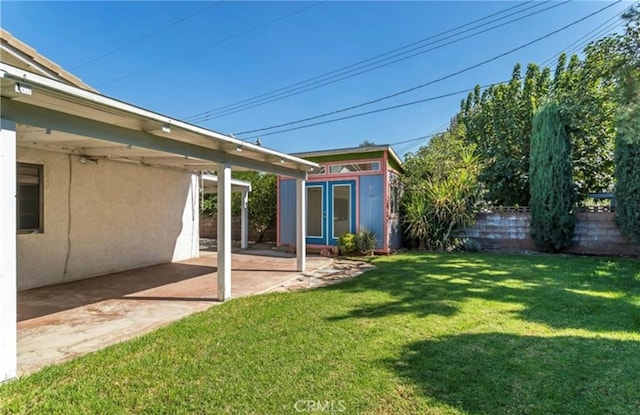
[(106, 217)]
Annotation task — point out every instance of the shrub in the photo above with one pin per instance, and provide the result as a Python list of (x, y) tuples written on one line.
[(346, 243), (365, 241), (551, 181), (436, 209), (467, 245)]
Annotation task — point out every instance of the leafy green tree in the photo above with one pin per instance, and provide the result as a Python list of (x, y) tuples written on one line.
[(585, 92), (627, 145), (551, 183), (262, 201), (498, 123)]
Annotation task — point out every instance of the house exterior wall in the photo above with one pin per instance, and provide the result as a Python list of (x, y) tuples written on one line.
[(106, 217), (8, 300)]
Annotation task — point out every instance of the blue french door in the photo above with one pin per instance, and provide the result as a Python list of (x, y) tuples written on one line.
[(316, 213), (331, 211)]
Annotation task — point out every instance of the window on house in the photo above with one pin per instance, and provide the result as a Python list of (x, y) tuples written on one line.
[(354, 167), (29, 197)]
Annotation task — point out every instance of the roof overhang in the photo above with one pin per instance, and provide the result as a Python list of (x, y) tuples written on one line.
[(210, 184), (58, 117), (19, 54)]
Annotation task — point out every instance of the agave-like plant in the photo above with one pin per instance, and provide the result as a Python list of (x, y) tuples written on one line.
[(416, 217)]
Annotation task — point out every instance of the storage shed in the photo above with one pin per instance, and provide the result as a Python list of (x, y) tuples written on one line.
[(354, 188)]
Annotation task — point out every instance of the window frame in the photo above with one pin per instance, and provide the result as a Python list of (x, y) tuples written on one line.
[(40, 228), (376, 170)]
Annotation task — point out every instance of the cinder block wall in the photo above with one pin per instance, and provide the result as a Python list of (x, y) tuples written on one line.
[(209, 229), (508, 228)]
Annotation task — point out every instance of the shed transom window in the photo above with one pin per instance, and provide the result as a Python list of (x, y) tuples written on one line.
[(354, 167)]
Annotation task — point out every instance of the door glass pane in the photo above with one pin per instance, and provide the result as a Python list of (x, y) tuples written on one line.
[(341, 209), (314, 211)]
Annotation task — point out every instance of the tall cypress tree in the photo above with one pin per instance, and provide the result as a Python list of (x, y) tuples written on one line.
[(551, 188), (627, 150)]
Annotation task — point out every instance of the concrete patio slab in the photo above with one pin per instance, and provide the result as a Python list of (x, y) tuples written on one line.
[(60, 322)]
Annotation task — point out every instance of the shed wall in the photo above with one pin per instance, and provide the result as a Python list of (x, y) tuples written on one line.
[(371, 202), (287, 212), (106, 217)]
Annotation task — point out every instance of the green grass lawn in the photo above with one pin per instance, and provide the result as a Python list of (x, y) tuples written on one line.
[(423, 333)]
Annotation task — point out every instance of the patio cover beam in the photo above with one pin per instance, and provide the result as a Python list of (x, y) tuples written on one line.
[(224, 232)]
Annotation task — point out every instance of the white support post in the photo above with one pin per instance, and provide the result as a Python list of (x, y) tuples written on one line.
[(244, 220), (8, 273), (224, 232), (301, 224)]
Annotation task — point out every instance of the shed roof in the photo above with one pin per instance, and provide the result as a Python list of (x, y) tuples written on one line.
[(351, 150)]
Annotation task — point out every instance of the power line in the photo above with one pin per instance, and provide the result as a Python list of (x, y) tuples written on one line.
[(591, 35), (226, 39), (362, 70), (406, 104), (147, 36), (289, 87), (416, 141), (421, 85)]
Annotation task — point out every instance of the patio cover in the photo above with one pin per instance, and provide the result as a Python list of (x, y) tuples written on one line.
[(44, 112)]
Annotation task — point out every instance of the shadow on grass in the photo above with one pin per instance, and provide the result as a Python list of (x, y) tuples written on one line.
[(502, 373), (596, 294)]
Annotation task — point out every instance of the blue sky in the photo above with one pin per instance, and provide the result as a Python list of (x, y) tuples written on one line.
[(185, 58)]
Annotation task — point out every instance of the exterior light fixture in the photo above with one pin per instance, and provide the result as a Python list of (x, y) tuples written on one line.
[(166, 128), (239, 148)]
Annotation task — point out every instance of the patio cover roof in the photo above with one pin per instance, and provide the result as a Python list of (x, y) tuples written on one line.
[(56, 116), (210, 184), (43, 107)]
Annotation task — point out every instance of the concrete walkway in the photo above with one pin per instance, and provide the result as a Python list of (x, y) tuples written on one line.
[(60, 322)]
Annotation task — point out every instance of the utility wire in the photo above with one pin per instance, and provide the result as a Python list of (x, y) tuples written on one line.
[(270, 93), (226, 39), (421, 85), (406, 104), (596, 33), (362, 70), (147, 36), (416, 141)]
